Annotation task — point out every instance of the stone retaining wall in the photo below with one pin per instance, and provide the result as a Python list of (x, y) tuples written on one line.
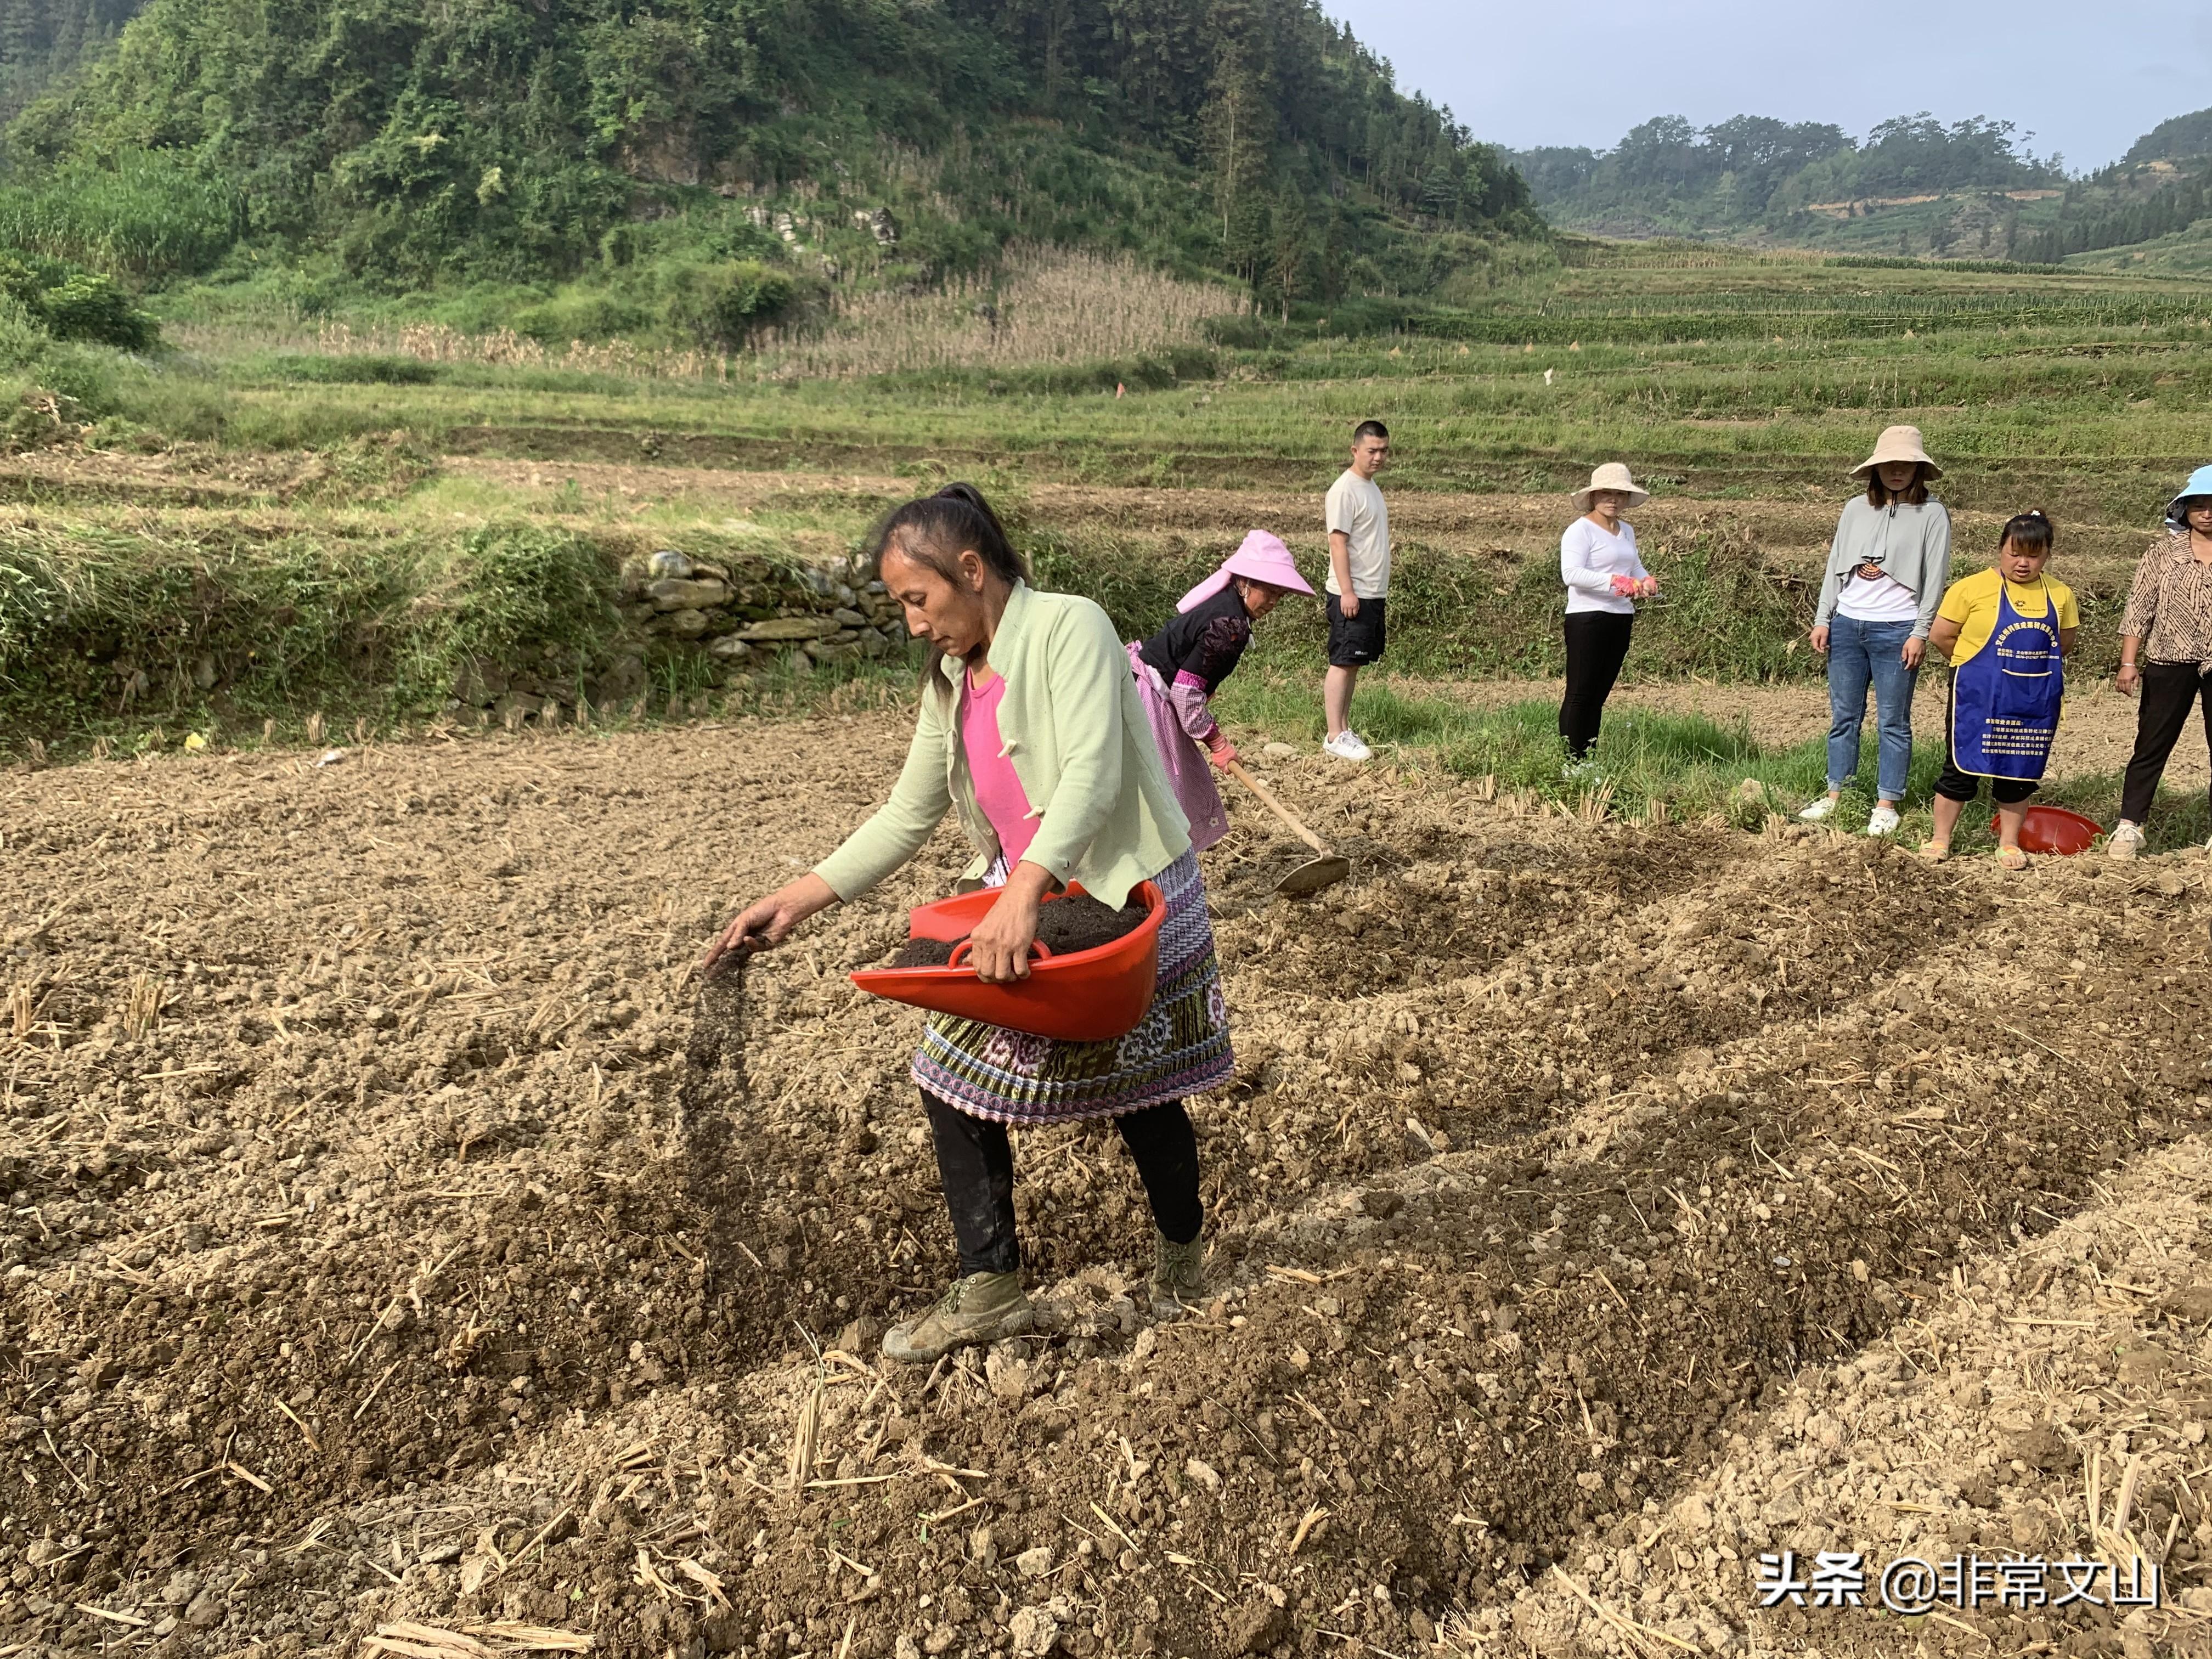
[(834, 613), (736, 614)]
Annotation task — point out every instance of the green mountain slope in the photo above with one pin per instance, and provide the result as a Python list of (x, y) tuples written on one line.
[(1806, 182), (2182, 136), (41, 39), (2182, 253), (821, 141), (1914, 186)]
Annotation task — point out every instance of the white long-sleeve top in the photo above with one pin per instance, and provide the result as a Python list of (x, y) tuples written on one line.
[(1589, 561)]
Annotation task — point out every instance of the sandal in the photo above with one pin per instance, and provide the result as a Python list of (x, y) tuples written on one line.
[(2011, 858), (1935, 851)]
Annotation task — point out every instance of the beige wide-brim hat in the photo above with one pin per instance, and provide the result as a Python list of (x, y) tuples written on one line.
[(1611, 476), (1897, 443)]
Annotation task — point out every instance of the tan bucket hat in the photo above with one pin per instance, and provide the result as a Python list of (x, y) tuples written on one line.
[(1611, 476), (1897, 443)]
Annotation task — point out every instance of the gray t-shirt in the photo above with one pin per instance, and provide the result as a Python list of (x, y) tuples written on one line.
[(1355, 507)]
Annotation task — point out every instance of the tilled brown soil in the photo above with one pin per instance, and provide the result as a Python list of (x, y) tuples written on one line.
[(402, 1239)]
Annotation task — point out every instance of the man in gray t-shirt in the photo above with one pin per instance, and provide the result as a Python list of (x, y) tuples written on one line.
[(1358, 582)]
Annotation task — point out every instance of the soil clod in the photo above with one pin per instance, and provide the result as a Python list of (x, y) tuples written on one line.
[(1619, 1149)]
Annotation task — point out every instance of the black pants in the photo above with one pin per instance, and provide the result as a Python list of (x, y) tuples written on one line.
[(975, 1162), (1955, 785), (2168, 689), (1597, 644)]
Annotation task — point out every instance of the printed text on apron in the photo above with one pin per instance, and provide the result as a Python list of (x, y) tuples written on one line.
[(2005, 698)]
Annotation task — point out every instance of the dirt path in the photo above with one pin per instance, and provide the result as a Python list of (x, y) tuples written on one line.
[(358, 1269)]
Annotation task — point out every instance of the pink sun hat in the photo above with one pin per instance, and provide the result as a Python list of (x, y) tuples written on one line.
[(1260, 558)]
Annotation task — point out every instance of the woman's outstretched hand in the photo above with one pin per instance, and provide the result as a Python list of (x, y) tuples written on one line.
[(999, 948), (1222, 754), (768, 922)]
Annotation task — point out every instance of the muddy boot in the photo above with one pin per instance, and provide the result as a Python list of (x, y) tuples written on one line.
[(1178, 1281), (980, 1308)]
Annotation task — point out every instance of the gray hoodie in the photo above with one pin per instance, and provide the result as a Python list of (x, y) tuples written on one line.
[(1912, 544)]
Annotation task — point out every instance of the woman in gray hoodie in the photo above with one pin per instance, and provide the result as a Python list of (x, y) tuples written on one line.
[(1887, 571)]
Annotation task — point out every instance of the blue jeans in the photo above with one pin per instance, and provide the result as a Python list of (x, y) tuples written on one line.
[(1860, 654)]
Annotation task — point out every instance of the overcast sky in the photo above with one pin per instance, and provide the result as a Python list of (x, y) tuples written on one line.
[(2086, 79)]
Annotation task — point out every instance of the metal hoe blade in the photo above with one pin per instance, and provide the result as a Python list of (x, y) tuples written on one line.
[(1324, 869), (1314, 875)]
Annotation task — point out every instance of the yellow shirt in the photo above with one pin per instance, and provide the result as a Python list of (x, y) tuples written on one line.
[(1971, 602)]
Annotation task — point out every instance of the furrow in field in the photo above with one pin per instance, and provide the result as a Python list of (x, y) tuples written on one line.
[(391, 1210)]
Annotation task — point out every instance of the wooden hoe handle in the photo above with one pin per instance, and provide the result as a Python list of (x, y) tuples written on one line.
[(1267, 796)]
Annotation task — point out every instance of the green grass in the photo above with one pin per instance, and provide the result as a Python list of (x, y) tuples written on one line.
[(1686, 764), (153, 212), (2183, 253), (1726, 616), (2088, 392), (1741, 385)]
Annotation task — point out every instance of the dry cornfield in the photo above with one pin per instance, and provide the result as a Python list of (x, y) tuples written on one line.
[(1046, 305)]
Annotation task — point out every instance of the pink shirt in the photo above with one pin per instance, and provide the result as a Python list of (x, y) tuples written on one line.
[(998, 787)]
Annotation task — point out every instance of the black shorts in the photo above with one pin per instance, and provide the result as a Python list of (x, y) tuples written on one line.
[(1357, 641), (1955, 785)]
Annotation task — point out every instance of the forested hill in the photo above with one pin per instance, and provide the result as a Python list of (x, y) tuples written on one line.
[(2180, 139), (1755, 172), (1913, 185), (523, 139), (39, 39)]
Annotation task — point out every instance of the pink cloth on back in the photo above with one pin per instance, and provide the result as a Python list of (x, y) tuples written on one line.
[(998, 787), (1170, 710)]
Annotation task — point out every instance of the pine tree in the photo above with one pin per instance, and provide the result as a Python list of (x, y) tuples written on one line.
[(1291, 251)]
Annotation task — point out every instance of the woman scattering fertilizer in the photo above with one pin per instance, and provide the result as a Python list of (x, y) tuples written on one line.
[(1180, 667), (1032, 733)]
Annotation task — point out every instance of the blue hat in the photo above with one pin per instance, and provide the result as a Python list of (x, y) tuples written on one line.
[(2199, 484)]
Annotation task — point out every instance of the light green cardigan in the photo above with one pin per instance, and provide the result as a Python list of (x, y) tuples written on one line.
[(1080, 743)]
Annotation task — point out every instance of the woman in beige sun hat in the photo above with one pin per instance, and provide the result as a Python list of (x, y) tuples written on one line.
[(1604, 578), (1887, 571)]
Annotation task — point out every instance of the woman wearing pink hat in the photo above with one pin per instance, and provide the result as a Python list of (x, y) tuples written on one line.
[(1179, 669)]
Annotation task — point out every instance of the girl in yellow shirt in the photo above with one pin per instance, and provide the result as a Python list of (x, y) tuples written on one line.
[(2007, 631)]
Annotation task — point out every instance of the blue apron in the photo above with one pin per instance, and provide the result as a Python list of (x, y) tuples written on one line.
[(2005, 698)]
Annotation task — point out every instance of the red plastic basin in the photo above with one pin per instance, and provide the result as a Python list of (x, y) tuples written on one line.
[(2053, 830), (1085, 996)]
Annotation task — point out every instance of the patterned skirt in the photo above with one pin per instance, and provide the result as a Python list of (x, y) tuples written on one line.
[(1180, 1047)]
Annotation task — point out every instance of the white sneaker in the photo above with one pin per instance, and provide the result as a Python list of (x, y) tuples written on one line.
[(1578, 771), (1346, 745), (2125, 842), (1883, 822), (1818, 810)]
